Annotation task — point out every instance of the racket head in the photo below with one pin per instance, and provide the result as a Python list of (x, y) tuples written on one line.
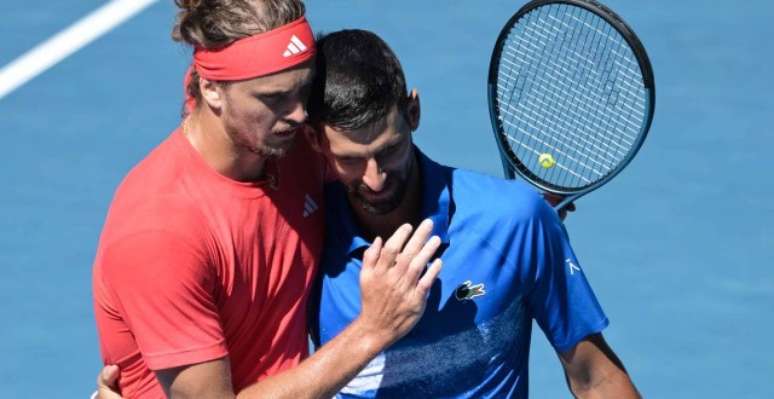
[(548, 124)]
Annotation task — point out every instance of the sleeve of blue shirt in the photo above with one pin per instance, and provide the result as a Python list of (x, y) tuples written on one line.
[(561, 299)]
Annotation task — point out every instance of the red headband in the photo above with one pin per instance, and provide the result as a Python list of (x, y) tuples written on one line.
[(255, 56)]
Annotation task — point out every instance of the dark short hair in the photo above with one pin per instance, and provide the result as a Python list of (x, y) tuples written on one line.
[(358, 81)]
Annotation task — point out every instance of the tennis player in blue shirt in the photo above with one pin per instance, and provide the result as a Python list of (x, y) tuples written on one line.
[(506, 255)]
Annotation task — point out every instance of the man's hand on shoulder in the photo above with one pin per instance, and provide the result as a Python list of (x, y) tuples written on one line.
[(395, 281), (393, 287)]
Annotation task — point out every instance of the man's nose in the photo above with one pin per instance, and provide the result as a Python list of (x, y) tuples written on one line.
[(298, 113), (374, 177)]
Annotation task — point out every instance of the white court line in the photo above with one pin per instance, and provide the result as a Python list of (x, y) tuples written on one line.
[(66, 42)]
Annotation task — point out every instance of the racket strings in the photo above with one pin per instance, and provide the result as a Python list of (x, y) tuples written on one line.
[(585, 102), (568, 85), (591, 103)]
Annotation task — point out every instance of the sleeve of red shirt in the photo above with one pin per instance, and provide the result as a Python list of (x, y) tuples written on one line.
[(165, 288)]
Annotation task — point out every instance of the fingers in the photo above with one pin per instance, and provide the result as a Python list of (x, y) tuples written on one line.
[(556, 199), (405, 260), (566, 209), (392, 298), (421, 260), (418, 239), (393, 246), (107, 387), (108, 376), (426, 282), (415, 244), (371, 255)]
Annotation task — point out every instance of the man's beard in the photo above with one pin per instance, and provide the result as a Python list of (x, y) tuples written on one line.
[(263, 149), (383, 206), (268, 151)]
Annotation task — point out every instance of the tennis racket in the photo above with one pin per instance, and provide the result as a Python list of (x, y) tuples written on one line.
[(571, 96)]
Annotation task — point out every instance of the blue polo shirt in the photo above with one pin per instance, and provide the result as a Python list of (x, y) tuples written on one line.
[(506, 261)]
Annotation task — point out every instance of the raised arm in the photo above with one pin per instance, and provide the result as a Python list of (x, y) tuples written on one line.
[(394, 293)]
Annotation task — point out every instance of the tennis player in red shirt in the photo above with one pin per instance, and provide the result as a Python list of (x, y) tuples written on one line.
[(210, 246)]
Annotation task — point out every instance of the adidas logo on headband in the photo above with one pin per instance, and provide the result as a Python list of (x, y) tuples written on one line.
[(296, 46)]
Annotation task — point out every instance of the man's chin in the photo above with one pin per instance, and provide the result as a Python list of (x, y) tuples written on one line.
[(378, 208)]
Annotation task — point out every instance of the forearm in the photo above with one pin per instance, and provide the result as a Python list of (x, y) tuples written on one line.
[(329, 369), (613, 383), (594, 371), (394, 292)]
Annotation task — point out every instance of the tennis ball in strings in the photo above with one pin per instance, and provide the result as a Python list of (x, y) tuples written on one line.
[(546, 160)]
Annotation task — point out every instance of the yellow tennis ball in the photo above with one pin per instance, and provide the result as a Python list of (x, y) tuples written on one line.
[(546, 160)]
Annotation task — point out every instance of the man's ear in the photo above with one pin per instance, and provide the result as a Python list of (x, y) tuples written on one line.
[(413, 110), (212, 93)]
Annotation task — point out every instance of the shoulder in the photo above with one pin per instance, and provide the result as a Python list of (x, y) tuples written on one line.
[(159, 171), (156, 194), (160, 239), (170, 216), (496, 198)]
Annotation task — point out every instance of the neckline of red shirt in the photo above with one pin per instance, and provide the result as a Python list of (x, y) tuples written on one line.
[(250, 189)]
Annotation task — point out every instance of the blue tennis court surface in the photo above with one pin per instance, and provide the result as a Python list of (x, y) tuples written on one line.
[(679, 248)]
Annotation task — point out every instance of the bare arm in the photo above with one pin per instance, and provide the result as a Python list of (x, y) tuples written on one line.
[(394, 294), (594, 371), (321, 375)]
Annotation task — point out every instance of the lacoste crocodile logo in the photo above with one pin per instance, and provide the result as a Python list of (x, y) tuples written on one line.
[(467, 291)]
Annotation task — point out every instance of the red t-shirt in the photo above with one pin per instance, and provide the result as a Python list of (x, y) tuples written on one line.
[(193, 266)]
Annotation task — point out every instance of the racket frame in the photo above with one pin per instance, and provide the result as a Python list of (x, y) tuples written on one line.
[(511, 164)]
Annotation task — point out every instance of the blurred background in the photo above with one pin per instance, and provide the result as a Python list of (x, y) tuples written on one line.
[(679, 248)]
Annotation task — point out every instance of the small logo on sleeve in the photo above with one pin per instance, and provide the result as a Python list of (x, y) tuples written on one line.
[(572, 266), (467, 291)]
